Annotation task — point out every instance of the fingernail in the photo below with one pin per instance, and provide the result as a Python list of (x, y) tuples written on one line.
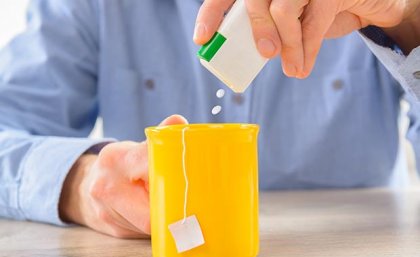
[(301, 75), (266, 47), (200, 31), (289, 70)]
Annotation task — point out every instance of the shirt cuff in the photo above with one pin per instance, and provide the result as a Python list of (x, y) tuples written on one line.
[(44, 172), (378, 36), (405, 69)]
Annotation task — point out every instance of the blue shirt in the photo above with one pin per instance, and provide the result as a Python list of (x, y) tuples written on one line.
[(133, 63)]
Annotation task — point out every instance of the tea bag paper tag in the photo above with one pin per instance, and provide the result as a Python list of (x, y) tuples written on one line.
[(187, 235)]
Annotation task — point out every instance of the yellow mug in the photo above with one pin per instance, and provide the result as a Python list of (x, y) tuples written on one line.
[(221, 164)]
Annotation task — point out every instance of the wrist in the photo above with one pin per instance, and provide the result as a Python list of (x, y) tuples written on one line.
[(70, 207)]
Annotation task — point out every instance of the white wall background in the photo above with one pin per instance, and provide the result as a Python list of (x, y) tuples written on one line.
[(12, 18)]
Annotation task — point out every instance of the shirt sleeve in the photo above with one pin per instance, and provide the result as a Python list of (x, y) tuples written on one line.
[(48, 106), (33, 170), (405, 69)]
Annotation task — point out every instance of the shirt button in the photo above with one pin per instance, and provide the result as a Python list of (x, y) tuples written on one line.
[(338, 84), (417, 74), (150, 84), (238, 99)]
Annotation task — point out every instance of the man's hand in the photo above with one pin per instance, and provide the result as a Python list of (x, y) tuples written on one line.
[(109, 192), (295, 29)]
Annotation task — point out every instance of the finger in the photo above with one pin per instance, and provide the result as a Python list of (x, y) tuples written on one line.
[(132, 204), (119, 220), (108, 224), (120, 232), (173, 120), (135, 159), (317, 18), (264, 29), (286, 15), (209, 17)]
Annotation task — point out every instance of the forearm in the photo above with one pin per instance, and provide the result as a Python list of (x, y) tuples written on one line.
[(407, 33)]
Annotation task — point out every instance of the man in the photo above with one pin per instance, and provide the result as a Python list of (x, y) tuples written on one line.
[(133, 63)]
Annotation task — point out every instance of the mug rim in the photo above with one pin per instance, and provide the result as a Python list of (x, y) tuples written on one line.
[(203, 127)]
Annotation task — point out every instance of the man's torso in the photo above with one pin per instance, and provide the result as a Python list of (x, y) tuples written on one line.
[(338, 128)]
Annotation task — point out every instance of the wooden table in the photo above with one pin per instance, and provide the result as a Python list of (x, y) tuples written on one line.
[(375, 222)]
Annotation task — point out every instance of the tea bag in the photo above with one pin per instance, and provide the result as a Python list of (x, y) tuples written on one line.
[(186, 232)]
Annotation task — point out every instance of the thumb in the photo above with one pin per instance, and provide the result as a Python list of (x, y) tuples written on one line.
[(209, 18), (136, 157)]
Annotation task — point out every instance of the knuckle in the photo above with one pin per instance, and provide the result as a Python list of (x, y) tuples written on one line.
[(258, 20), (111, 154), (104, 162), (98, 190), (281, 9), (287, 48), (114, 148), (107, 150), (95, 192), (106, 156)]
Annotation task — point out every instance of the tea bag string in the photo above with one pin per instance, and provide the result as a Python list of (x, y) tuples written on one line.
[(184, 169)]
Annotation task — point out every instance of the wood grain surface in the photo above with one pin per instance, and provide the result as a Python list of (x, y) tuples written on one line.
[(374, 222)]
